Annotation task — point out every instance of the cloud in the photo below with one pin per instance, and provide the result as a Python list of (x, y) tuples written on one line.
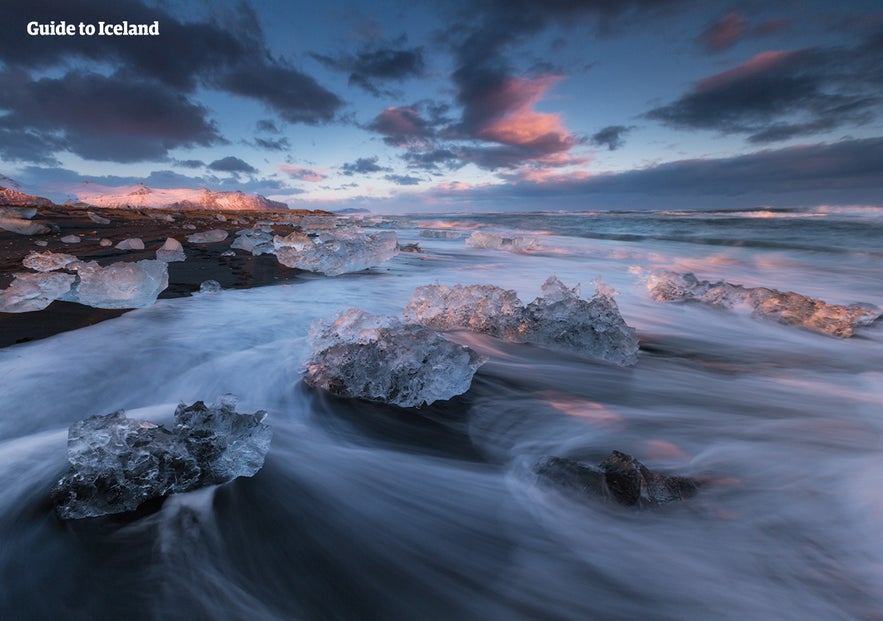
[(100, 118), (271, 144), (378, 64), (363, 165), (403, 179), (782, 94), (189, 163), (724, 32), (233, 165), (158, 75), (610, 136), (301, 173), (268, 126), (432, 159), (402, 126)]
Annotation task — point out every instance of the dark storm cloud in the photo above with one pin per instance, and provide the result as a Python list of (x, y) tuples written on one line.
[(778, 95), (403, 179), (189, 163), (363, 165), (410, 126), (230, 56), (842, 166), (610, 137), (377, 64), (268, 126), (232, 164), (101, 118), (432, 160)]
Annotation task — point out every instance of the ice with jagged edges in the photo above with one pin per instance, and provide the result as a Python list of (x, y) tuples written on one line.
[(22, 226), (47, 261), (335, 251), (120, 285), (359, 355), (208, 237), (171, 251), (34, 291), (478, 308), (559, 319), (117, 463), (495, 241), (784, 307), (257, 241)]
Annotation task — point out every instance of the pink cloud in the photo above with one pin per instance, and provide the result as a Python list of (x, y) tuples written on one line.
[(299, 172), (724, 33), (517, 123), (756, 65)]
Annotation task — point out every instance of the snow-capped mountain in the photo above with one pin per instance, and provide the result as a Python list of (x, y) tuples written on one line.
[(8, 196), (179, 198)]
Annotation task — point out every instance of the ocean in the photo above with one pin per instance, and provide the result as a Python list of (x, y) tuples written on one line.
[(367, 511)]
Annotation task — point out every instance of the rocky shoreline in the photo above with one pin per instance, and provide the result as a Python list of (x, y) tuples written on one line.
[(205, 261)]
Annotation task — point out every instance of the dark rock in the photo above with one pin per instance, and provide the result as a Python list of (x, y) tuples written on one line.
[(620, 477)]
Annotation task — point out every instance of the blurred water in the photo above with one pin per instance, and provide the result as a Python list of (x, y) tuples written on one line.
[(365, 511)]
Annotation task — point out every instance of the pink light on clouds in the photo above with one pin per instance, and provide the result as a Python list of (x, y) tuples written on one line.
[(519, 124), (761, 63), (301, 173)]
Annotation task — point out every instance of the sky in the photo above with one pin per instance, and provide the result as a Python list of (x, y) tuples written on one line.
[(417, 106)]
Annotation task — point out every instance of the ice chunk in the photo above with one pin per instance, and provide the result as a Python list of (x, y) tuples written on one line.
[(47, 261), (364, 356), (478, 308), (70, 239), (97, 219), (256, 241), (133, 243), (18, 212), (32, 292), (562, 320), (171, 251), (22, 226), (208, 237), (120, 285), (41, 242), (620, 477), (494, 241), (787, 308), (441, 234), (209, 286), (335, 252), (105, 242), (559, 319), (118, 463)]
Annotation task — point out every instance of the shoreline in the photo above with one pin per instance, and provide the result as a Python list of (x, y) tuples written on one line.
[(153, 226)]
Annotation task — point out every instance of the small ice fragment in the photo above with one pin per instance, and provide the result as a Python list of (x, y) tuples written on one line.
[(221, 217), (359, 355), (118, 463), (209, 286), (228, 253), (787, 308), (97, 219), (189, 227), (41, 242), (70, 239), (208, 237), (133, 243), (120, 285), (47, 261), (32, 292), (171, 251), (494, 241), (105, 242)]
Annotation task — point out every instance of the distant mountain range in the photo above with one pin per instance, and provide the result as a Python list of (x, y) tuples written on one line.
[(202, 198)]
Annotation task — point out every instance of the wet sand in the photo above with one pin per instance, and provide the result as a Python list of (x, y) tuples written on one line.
[(204, 261)]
